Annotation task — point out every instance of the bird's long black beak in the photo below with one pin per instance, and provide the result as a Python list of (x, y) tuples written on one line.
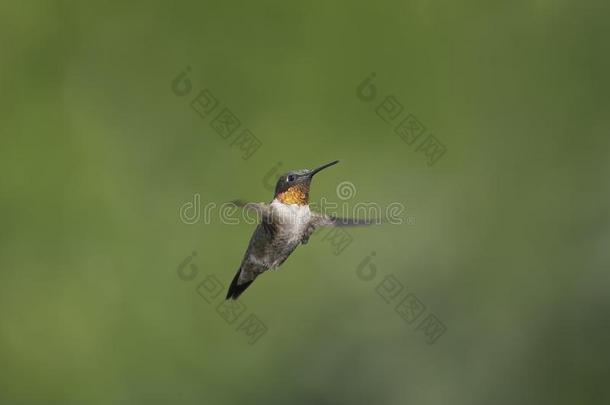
[(314, 171)]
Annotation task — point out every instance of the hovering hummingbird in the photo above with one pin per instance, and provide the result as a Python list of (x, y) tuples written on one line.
[(285, 223)]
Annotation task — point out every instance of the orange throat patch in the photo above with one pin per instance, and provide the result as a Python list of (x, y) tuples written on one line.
[(298, 194)]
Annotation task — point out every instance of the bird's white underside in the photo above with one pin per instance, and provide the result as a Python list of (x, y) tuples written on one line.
[(294, 218)]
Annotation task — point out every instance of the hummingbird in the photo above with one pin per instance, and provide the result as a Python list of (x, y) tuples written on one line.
[(285, 223)]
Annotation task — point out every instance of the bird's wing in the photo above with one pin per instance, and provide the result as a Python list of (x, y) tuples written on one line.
[(262, 209), (317, 220)]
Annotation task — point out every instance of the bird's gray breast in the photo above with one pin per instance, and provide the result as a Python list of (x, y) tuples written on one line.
[(290, 222), (274, 239)]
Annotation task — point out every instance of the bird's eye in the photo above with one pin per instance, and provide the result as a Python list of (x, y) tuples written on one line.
[(291, 178)]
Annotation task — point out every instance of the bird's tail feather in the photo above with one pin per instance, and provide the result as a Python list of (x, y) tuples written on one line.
[(235, 289)]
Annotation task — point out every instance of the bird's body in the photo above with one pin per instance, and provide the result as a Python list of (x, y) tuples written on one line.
[(272, 242), (285, 223)]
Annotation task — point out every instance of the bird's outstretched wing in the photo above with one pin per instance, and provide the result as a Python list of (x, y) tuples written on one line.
[(262, 209), (317, 220), (328, 220)]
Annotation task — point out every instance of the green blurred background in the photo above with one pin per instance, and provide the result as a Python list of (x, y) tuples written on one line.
[(509, 248)]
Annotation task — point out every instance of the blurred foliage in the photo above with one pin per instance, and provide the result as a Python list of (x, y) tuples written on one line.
[(509, 249)]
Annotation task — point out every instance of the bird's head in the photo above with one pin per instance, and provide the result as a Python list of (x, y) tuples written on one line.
[(293, 187)]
